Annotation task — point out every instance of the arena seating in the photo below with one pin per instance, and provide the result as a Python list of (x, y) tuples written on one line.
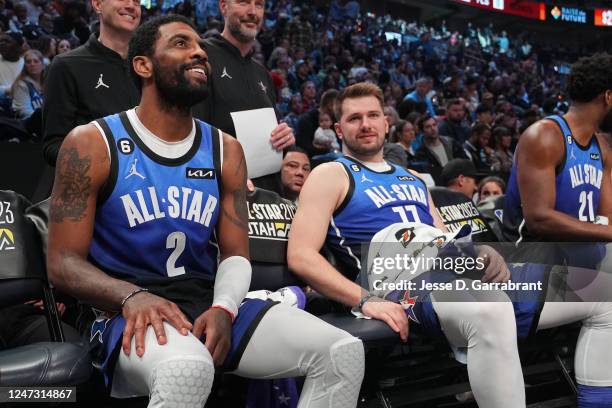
[(23, 278)]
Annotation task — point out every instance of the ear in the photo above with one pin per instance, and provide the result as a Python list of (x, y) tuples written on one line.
[(338, 130), (96, 5), (143, 66), (223, 6), (461, 180)]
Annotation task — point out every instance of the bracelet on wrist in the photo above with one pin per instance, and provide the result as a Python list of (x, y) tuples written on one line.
[(363, 300), (230, 314), (131, 294)]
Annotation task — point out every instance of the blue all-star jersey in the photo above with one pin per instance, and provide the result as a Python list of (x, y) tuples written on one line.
[(156, 216), (577, 184), (374, 201)]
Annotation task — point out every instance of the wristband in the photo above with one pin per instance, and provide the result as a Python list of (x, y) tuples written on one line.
[(363, 301), (135, 291)]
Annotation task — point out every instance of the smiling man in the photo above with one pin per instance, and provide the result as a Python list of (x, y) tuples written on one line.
[(93, 80), (139, 198), (238, 82)]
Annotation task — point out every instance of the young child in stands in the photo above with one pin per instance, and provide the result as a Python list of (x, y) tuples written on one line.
[(324, 136)]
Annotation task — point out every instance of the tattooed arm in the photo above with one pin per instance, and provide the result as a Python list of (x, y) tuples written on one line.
[(232, 227), (82, 168)]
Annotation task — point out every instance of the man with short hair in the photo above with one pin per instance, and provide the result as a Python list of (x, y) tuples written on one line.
[(422, 88), (346, 202), (294, 172), (237, 81), (11, 60), (477, 148), (351, 201), (453, 126), (460, 175), (560, 181), (93, 80), (436, 150), (145, 203), (484, 114)]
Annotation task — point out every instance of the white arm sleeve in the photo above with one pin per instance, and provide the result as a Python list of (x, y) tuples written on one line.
[(232, 283)]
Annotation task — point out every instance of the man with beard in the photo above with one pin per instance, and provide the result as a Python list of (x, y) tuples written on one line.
[(560, 187), (144, 203), (361, 194), (237, 81), (347, 203)]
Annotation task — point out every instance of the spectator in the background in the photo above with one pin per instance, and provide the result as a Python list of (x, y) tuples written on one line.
[(391, 115), (63, 46), (436, 150), (73, 21), (294, 172), (503, 42), (309, 93), (300, 30), (20, 18), (4, 17), (11, 61), (233, 66), (484, 114), (47, 46), (460, 175), (325, 137), (300, 76), (454, 125), (309, 122), (295, 110), (404, 134), (491, 186), (423, 86), (27, 91), (398, 149), (502, 159), (477, 146), (91, 81), (45, 22), (344, 10)]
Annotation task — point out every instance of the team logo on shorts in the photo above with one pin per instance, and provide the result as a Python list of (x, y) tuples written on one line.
[(7, 240), (594, 156), (203, 174), (405, 178), (408, 304), (404, 236), (355, 167)]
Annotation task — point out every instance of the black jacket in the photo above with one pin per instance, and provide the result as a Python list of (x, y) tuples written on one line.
[(87, 83), (236, 83)]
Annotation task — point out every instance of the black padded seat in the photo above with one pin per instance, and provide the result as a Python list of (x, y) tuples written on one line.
[(45, 365)]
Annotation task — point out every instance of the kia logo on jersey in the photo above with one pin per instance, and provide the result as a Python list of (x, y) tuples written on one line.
[(203, 174)]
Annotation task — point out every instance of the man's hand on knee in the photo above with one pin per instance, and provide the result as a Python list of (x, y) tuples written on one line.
[(216, 326), (389, 312), (146, 309)]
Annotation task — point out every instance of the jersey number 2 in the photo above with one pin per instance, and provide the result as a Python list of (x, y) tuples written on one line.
[(586, 202), (176, 241)]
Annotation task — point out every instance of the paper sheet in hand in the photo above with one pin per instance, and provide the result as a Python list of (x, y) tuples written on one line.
[(253, 129)]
